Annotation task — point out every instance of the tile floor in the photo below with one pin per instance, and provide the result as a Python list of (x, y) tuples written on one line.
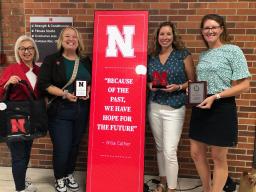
[(43, 179)]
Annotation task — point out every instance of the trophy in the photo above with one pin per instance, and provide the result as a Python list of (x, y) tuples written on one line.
[(197, 92), (159, 79), (80, 88)]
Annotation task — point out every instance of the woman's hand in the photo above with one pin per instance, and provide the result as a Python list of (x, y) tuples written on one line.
[(189, 81), (88, 91), (171, 88), (71, 97), (151, 88), (207, 103), (14, 79)]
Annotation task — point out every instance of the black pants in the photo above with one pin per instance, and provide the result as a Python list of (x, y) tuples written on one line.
[(66, 131), (20, 153)]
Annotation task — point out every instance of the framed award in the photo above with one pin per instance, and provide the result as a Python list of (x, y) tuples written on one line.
[(197, 92)]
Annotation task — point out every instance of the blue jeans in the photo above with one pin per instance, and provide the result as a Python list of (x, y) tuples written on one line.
[(20, 153), (66, 129)]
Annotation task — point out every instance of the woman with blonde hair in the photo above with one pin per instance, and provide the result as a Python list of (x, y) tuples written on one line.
[(68, 113), (26, 54)]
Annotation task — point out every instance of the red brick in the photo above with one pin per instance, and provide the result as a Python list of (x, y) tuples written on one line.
[(104, 6), (218, 5), (239, 5), (205, 11), (236, 18), (160, 5), (244, 38), (41, 11), (141, 6), (179, 5), (123, 6), (226, 11), (187, 15), (246, 12), (33, 5), (169, 12), (59, 11), (77, 11), (51, 5), (68, 5)]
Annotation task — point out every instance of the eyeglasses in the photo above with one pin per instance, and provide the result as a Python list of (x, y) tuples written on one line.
[(214, 28), (24, 49)]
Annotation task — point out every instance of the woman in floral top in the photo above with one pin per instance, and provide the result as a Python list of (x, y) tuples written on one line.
[(214, 121), (170, 65)]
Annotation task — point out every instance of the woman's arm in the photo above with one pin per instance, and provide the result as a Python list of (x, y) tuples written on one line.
[(190, 73), (239, 87), (8, 77), (44, 77), (190, 70), (150, 87), (61, 93)]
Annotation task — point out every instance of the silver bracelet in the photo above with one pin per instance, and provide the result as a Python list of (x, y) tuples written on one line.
[(180, 87), (65, 94)]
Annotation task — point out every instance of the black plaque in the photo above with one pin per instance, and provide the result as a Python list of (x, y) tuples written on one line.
[(197, 92)]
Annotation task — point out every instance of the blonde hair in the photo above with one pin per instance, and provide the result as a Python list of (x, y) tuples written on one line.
[(80, 48), (17, 45)]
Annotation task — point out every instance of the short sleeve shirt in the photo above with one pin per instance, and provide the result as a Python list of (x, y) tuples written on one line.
[(175, 69), (220, 66)]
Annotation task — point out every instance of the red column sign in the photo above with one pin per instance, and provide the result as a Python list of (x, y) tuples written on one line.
[(117, 121)]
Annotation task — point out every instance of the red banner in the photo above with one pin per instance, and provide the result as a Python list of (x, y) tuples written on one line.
[(117, 115)]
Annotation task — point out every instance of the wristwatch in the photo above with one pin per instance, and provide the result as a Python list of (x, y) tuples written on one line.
[(218, 96), (180, 87)]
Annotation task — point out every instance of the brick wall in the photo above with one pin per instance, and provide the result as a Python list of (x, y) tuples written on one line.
[(241, 20)]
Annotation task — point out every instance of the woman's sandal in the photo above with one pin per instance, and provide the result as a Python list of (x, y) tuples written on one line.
[(160, 188)]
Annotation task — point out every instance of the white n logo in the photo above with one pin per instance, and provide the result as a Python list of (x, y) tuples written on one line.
[(116, 41)]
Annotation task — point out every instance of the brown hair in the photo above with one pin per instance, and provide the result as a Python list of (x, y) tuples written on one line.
[(224, 36), (176, 44)]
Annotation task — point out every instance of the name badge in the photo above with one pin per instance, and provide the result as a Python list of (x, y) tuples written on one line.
[(81, 88)]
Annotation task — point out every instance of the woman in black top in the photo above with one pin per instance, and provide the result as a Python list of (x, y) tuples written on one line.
[(68, 114)]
